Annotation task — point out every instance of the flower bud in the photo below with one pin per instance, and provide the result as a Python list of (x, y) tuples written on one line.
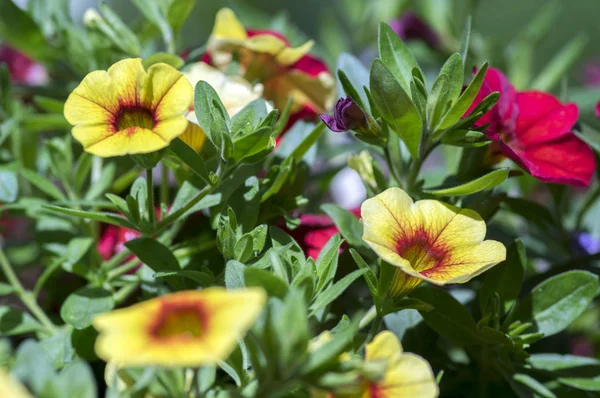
[(347, 115), (91, 17)]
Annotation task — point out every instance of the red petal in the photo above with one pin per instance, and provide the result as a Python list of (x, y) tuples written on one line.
[(598, 110), (542, 118), (503, 114), (255, 32), (310, 65), (565, 160)]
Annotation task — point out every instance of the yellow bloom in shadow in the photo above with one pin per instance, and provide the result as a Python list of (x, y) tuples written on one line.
[(266, 57), (428, 239), (406, 375), (189, 328), (128, 110), (10, 387)]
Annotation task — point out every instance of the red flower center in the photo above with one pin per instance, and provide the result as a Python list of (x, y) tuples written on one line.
[(179, 321), (421, 250), (134, 117)]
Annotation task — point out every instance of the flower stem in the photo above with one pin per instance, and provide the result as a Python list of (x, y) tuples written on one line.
[(368, 317), (150, 198), (26, 296), (164, 184)]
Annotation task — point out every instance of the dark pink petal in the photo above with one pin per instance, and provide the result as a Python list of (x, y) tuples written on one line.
[(310, 65), (565, 160), (542, 118), (598, 110), (255, 32)]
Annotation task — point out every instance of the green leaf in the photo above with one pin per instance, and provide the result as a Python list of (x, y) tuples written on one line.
[(488, 181), (327, 261), (553, 304), (454, 70), (61, 157), (118, 31), (395, 56), (396, 107), (108, 218), (449, 317), (465, 40), (14, 322), (265, 279), (556, 362), (352, 76), (158, 257), (248, 146), (77, 380), (582, 383), (533, 385), (234, 274), (370, 277), (308, 141), (202, 278), (505, 279), (465, 138), (82, 305), (19, 30), (104, 182), (82, 170), (349, 225), (43, 184), (334, 291), (531, 211), (437, 101), (190, 158), (211, 113), (558, 66), (9, 186), (330, 351), (150, 9), (463, 103), (179, 11), (165, 58)]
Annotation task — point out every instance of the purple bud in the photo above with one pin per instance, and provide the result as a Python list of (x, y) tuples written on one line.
[(587, 244), (411, 27), (347, 115)]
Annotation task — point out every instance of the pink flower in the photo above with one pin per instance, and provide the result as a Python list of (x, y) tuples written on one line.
[(534, 129), (113, 239), (23, 70)]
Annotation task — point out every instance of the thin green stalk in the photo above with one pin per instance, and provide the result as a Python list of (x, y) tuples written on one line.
[(164, 184), (26, 296), (368, 317), (391, 165), (162, 224), (121, 295), (375, 326), (150, 199), (123, 269), (116, 259)]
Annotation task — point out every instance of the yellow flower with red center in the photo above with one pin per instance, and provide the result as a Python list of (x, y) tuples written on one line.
[(427, 240), (406, 374), (10, 387), (128, 110), (188, 328), (265, 56)]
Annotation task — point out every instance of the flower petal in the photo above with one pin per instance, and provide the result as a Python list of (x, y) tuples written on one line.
[(542, 118), (317, 92), (411, 376), (125, 142), (94, 100), (383, 347), (169, 129), (227, 26), (194, 136), (166, 92), (566, 160), (128, 76)]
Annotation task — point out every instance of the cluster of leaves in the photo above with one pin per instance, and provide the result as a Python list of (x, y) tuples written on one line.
[(225, 227)]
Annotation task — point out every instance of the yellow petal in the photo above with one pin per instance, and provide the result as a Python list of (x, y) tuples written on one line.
[(383, 347), (227, 26), (10, 386), (166, 92), (128, 76), (431, 240), (169, 129), (94, 100), (194, 136), (127, 142), (411, 376), (156, 332)]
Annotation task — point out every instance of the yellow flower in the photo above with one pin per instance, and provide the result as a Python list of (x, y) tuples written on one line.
[(406, 375), (265, 56), (429, 240), (10, 387), (128, 110), (189, 328)]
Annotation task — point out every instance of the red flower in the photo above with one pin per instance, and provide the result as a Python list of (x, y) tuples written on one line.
[(314, 232), (598, 109), (23, 70), (534, 129), (113, 239)]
